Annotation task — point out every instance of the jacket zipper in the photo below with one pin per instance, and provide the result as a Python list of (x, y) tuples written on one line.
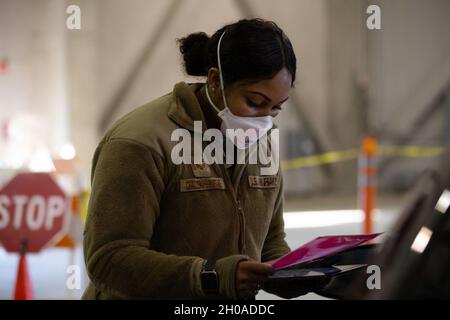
[(239, 210), (242, 228)]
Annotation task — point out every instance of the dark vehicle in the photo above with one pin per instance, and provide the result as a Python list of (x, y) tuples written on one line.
[(414, 258)]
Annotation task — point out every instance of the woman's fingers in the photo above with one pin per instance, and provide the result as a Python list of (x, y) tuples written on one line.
[(254, 277), (250, 276), (257, 267)]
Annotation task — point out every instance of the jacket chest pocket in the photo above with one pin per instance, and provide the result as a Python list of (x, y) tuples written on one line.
[(263, 191)]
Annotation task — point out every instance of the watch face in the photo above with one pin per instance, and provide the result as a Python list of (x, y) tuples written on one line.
[(209, 280)]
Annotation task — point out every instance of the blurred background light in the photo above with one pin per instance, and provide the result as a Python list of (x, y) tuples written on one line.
[(67, 151)]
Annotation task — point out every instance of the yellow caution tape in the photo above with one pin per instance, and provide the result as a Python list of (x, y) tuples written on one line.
[(409, 151), (317, 160), (84, 205), (351, 154)]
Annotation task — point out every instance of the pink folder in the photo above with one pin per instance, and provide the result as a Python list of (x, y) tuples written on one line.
[(319, 248)]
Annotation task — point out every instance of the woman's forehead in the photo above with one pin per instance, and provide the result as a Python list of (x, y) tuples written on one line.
[(276, 89)]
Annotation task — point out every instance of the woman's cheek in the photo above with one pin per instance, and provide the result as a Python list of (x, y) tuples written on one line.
[(241, 109)]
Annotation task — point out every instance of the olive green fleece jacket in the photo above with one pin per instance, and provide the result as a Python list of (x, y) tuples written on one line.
[(151, 222)]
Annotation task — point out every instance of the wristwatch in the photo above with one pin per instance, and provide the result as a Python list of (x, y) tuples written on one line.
[(209, 277)]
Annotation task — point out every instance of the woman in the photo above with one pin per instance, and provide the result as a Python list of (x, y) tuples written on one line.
[(157, 229)]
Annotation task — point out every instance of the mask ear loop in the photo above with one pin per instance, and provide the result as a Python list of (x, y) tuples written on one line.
[(210, 100), (222, 86)]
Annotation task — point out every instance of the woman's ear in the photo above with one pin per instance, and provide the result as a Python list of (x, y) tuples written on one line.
[(214, 79)]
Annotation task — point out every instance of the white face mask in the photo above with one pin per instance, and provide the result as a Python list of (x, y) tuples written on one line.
[(258, 126)]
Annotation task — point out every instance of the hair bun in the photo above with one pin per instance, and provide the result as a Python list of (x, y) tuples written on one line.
[(193, 48)]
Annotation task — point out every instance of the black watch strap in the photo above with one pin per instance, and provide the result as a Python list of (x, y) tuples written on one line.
[(209, 265), (209, 278)]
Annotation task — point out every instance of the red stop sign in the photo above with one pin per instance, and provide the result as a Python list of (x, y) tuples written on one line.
[(33, 208)]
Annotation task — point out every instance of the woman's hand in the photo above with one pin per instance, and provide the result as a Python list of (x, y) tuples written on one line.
[(250, 276)]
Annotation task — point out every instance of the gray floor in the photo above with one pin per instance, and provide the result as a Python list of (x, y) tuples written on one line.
[(304, 221)]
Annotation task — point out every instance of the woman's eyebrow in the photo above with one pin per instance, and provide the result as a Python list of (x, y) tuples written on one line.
[(261, 94), (266, 97)]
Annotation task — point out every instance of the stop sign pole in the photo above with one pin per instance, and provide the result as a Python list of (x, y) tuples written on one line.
[(34, 214)]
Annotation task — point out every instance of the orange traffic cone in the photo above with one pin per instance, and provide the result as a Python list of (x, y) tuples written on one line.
[(23, 290)]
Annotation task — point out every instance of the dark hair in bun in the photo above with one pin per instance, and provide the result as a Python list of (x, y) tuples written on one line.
[(193, 48), (251, 50)]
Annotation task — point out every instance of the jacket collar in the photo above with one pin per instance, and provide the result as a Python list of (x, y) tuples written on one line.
[(185, 108)]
